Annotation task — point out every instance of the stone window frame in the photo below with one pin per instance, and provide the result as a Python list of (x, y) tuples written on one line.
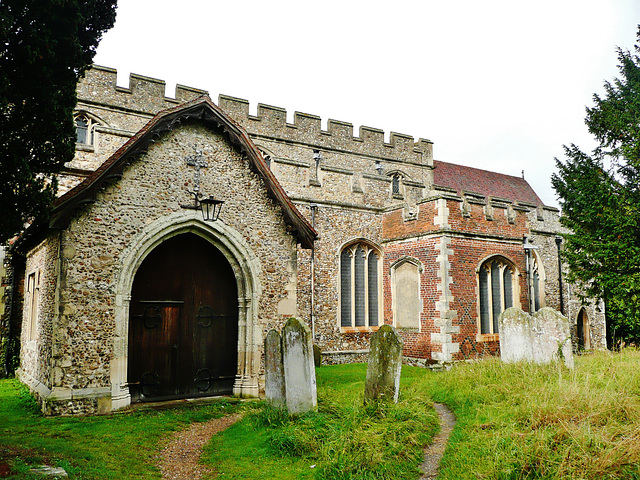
[(538, 281), (397, 183), (392, 270), (90, 136), (32, 303), (370, 325), (502, 263)]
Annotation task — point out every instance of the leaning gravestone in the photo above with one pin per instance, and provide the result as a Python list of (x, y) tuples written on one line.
[(274, 388), (542, 338), (384, 365)]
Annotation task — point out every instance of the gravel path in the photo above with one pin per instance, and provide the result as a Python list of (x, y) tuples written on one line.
[(433, 453), (179, 459)]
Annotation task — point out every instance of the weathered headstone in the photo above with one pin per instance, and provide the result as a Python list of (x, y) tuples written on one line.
[(551, 335), (274, 388), (515, 336), (317, 355), (541, 338), (384, 365), (298, 367)]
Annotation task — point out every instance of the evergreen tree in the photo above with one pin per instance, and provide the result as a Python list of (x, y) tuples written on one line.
[(600, 199), (45, 46)]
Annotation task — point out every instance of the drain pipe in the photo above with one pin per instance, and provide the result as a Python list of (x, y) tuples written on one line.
[(313, 207), (558, 243), (528, 247)]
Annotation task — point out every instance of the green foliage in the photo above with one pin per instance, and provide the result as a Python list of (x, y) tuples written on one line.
[(45, 46), (600, 199)]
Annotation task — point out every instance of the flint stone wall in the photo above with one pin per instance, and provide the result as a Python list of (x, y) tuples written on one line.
[(81, 329)]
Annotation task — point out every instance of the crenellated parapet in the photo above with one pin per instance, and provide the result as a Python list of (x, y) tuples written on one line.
[(144, 94), (271, 123)]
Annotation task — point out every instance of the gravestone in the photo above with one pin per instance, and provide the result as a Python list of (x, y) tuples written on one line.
[(515, 336), (543, 337), (290, 376), (384, 365), (298, 367), (317, 355), (274, 388)]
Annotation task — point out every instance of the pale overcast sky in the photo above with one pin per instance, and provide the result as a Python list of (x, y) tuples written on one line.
[(495, 84)]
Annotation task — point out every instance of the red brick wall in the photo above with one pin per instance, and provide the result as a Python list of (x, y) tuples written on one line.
[(416, 344), (473, 239)]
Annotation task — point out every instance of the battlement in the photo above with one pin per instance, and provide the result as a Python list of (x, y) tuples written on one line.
[(146, 95), (143, 95), (271, 122)]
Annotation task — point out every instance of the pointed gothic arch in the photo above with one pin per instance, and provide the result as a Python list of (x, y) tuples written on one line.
[(245, 265), (360, 285), (583, 330), (406, 300), (497, 287)]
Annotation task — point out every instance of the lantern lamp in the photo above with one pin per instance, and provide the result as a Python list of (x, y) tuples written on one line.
[(210, 208)]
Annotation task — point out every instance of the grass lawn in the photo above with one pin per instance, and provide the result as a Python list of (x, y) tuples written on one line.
[(121, 446), (523, 421), (514, 422)]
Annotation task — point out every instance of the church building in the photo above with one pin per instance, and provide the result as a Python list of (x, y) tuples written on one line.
[(186, 229)]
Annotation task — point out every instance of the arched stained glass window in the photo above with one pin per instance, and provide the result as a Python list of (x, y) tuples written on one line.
[(360, 286), (495, 292)]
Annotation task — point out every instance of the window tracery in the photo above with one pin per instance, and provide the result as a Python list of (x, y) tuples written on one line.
[(360, 286), (496, 288), (85, 129)]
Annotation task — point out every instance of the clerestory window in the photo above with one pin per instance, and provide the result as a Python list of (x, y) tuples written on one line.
[(496, 288), (360, 286)]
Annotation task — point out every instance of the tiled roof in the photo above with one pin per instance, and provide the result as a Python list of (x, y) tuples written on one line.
[(484, 182)]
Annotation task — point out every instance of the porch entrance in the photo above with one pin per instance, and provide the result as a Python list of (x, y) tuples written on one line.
[(183, 322)]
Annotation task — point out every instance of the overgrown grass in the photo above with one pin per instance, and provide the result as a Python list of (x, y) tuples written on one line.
[(516, 421), (121, 446), (522, 421), (344, 439)]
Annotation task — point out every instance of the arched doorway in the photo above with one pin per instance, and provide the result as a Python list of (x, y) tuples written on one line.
[(582, 331), (183, 322)]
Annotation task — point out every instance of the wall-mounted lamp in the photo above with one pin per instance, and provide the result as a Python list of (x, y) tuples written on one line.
[(378, 166), (210, 207)]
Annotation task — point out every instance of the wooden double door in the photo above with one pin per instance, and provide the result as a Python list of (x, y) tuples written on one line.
[(183, 322)]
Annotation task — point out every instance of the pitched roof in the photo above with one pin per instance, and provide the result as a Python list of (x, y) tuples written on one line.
[(203, 109), (484, 182)]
